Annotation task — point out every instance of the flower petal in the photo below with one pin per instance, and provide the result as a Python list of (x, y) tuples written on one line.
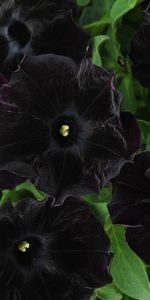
[(72, 251), (140, 52), (139, 240), (36, 86), (27, 136), (99, 98), (39, 28), (61, 182), (130, 204)]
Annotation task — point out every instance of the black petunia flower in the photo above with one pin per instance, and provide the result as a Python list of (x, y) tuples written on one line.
[(140, 52), (130, 204), (39, 27), (51, 253), (61, 128), (145, 4)]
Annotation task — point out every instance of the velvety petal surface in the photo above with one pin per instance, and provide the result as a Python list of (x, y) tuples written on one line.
[(39, 27), (47, 247), (130, 204), (65, 121), (68, 176), (140, 52)]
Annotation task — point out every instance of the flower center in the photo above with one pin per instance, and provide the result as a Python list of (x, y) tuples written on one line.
[(19, 32), (28, 250), (64, 130), (23, 246)]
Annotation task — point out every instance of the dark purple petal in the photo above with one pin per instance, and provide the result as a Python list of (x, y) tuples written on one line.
[(130, 188), (108, 146), (62, 175), (139, 240), (39, 28), (28, 136), (65, 37), (132, 178), (64, 246), (145, 4), (141, 73), (9, 180), (36, 86), (20, 172), (107, 143), (79, 258), (3, 80), (46, 94), (140, 52), (131, 132), (130, 204), (99, 97)]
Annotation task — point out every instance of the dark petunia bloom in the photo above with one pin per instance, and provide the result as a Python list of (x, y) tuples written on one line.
[(61, 126), (140, 52), (130, 204), (145, 4), (51, 253), (39, 27)]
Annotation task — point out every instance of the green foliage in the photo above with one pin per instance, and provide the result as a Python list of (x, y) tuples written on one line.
[(103, 197), (145, 132), (95, 11), (131, 278), (120, 8), (83, 2), (129, 99), (112, 24), (129, 274), (24, 190), (108, 292), (97, 43)]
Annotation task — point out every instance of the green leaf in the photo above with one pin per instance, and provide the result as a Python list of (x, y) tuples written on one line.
[(113, 46), (129, 102), (101, 212), (97, 44), (105, 194), (99, 202), (98, 27), (111, 65), (145, 132), (120, 8), (108, 292), (83, 2), (24, 190), (127, 269), (103, 197), (95, 11), (27, 185), (127, 298), (6, 194)]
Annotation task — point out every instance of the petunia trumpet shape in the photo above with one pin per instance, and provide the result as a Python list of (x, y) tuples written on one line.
[(49, 252), (38, 27), (61, 127)]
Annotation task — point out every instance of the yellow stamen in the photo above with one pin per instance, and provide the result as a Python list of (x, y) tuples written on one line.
[(64, 130), (23, 246)]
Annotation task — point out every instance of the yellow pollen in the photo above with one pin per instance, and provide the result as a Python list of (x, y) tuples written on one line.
[(23, 246), (64, 130)]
